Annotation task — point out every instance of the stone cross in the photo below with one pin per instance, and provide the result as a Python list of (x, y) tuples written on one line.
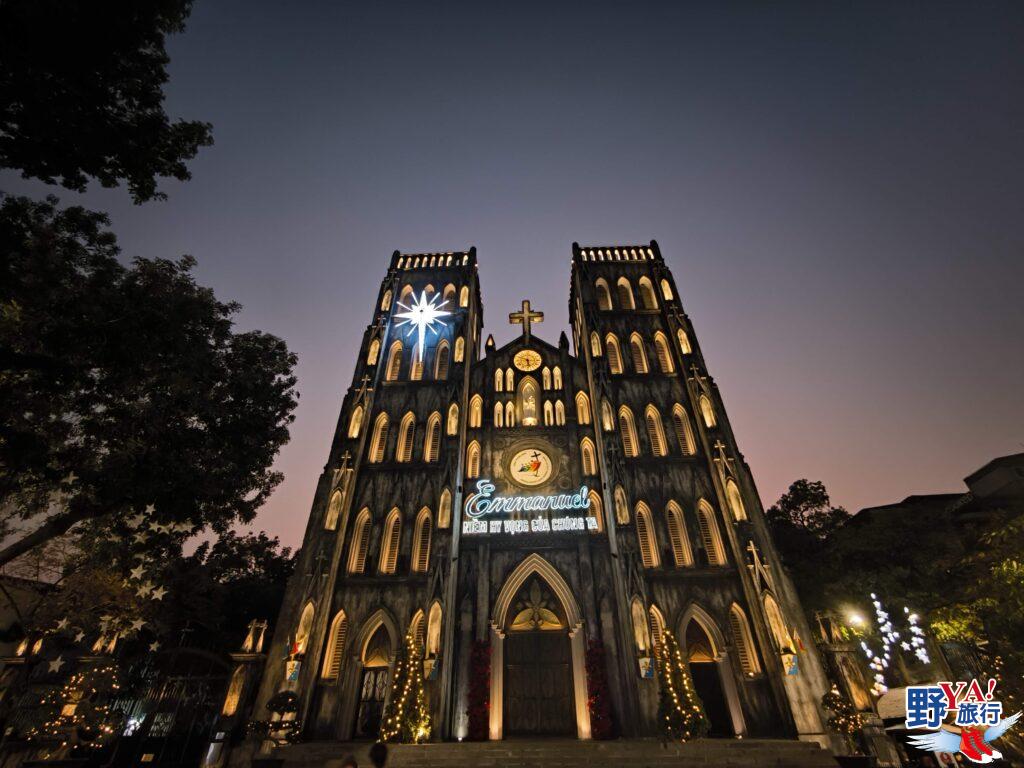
[(525, 317)]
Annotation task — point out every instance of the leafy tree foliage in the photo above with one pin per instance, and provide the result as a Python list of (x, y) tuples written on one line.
[(124, 390), (81, 93)]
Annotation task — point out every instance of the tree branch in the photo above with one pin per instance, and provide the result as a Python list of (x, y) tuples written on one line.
[(51, 529)]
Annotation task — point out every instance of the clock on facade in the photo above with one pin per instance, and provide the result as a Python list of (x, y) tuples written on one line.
[(527, 360), (530, 466)]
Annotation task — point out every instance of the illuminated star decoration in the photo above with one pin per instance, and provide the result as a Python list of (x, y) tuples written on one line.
[(421, 317)]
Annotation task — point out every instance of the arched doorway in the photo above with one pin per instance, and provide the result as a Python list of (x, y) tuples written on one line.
[(536, 599), (707, 679), (538, 671), (373, 684)]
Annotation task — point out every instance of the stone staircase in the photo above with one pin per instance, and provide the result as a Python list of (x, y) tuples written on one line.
[(569, 753)]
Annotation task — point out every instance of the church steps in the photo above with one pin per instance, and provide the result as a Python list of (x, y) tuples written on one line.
[(566, 753)]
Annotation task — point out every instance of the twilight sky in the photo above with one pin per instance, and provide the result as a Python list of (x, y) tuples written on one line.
[(838, 188)]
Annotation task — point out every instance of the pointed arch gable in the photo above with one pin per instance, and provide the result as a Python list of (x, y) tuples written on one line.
[(696, 612), (530, 565), (379, 618)]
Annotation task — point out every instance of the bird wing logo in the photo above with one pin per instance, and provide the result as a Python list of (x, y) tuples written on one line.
[(972, 743), (972, 707)]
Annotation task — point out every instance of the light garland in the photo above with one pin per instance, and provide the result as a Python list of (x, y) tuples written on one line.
[(917, 641), (680, 708), (414, 726)]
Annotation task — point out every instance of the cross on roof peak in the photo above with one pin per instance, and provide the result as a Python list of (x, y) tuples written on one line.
[(525, 317)]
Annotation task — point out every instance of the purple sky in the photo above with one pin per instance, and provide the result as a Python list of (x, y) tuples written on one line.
[(838, 188)]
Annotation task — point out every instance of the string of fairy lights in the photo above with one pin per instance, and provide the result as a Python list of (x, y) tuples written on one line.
[(409, 718), (682, 713)]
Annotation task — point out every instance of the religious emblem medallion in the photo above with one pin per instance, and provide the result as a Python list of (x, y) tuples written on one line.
[(530, 467), (527, 360)]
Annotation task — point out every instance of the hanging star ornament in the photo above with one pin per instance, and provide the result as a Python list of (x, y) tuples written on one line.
[(424, 314), (56, 664), (158, 593)]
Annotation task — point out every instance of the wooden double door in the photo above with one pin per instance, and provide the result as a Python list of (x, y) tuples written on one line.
[(372, 692), (538, 684)]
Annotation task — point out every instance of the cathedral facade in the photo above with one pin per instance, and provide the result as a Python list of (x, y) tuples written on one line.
[(557, 505)]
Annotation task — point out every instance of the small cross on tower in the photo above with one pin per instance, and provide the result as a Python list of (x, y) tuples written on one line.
[(525, 317)]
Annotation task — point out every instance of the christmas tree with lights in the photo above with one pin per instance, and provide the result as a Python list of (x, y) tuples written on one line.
[(77, 714), (846, 721), (680, 710), (408, 717)]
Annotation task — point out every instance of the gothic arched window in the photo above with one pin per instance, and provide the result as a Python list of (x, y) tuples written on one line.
[(528, 402), (777, 625), (604, 296), (460, 349), (549, 414), (499, 415), (441, 361), (433, 647), (394, 368), (645, 536), (582, 408), (416, 366), (448, 296), (499, 380), (627, 427), (684, 433), (464, 296), (657, 629), (304, 628), (476, 407), (385, 302), (333, 511), (677, 535), (510, 380), (707, 411), (636, 348), (732, 494), (684, 342), (432, 440), (559, 413), (666, 290), (421, 542), (360, 542), (647, 298), (379, 440), (664, 353), (473, 460), (390, 542), (655, 431), (709, 535), (453, 419), (334, 653), (607, 420), (406, 295), (621, 506), (595, 344), (596, 510), (588, 457), (510, 414), (373, 352), (444, 509), (625, 291), (406, 434), (641, 632), (355, 424), (234, 692), (742, 641), (556, 374), (545, 378), (611, 345)]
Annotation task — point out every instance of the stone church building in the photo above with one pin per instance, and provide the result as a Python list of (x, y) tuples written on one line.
[(543, 498)]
